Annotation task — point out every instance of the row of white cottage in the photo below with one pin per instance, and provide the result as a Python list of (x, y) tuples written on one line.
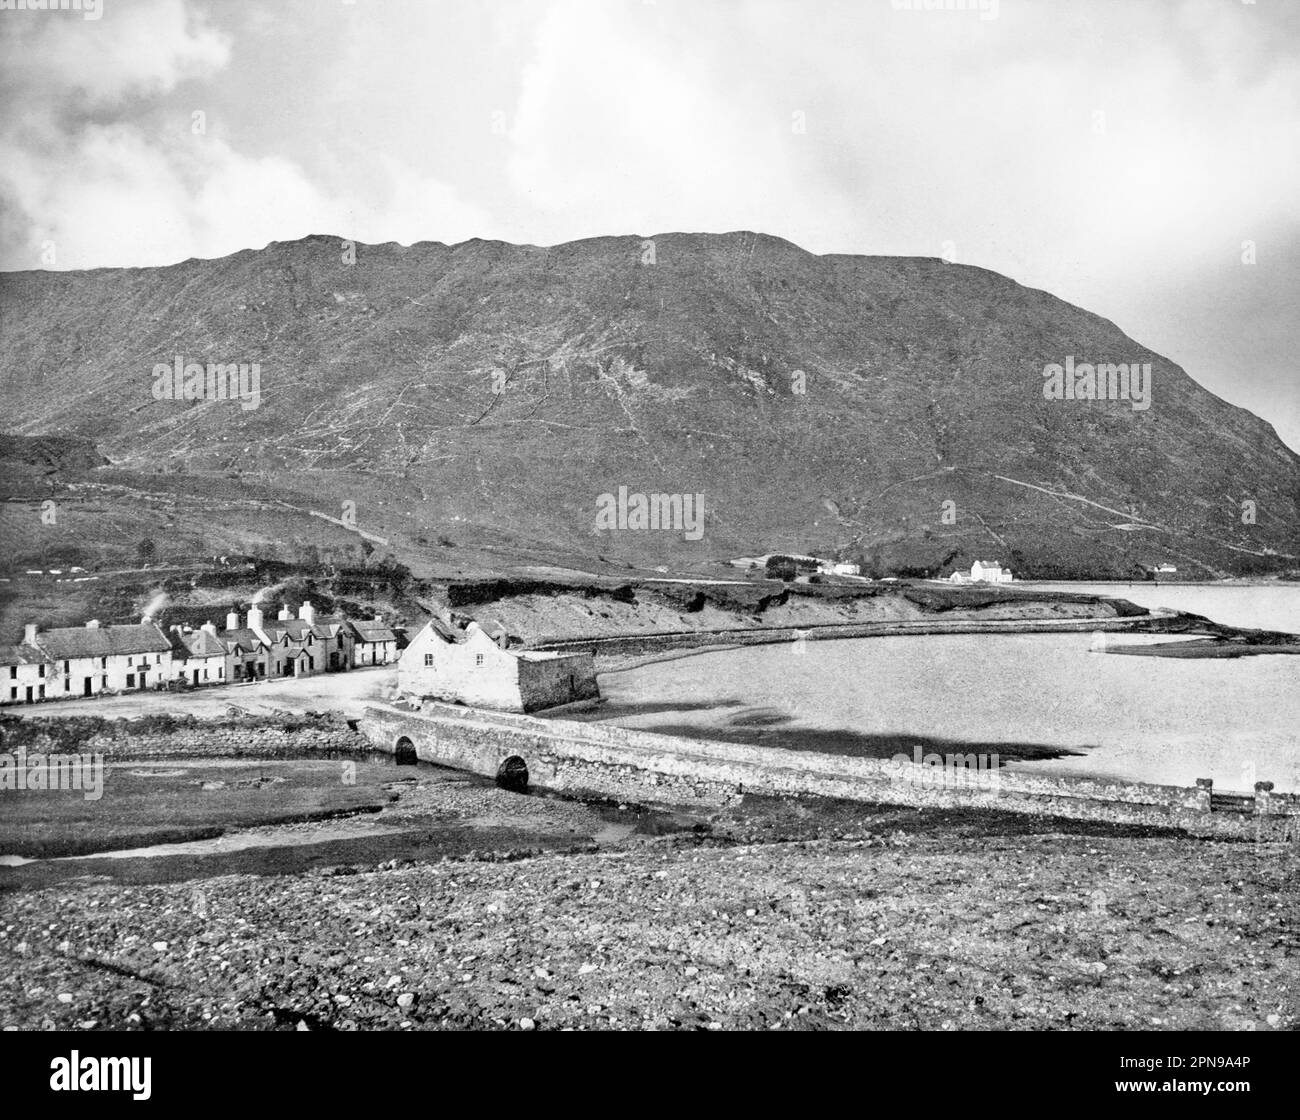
[(78, 661), (469, 666)]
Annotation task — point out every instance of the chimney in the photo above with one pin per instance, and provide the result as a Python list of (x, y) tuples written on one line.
[(285, 613), (254, 617), (232, 621), (307, 613), (29, 634), (209, 628), (93, 624), (145, 620), (379, 618)]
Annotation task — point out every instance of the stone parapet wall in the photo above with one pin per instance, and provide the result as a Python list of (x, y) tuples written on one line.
[(603, 760), (662, 641)]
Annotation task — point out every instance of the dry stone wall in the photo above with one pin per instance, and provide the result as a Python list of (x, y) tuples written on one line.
[(131, 740)]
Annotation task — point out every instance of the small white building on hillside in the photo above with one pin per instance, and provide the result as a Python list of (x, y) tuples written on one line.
[(838, 568), (984, 571), (470, 667)]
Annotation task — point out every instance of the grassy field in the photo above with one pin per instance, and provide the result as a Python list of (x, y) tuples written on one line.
[(171, 801)]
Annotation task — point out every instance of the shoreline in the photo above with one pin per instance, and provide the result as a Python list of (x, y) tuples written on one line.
[(1222, 640)]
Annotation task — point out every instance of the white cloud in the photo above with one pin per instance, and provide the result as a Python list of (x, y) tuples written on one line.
[(137, 48), (94, 169)]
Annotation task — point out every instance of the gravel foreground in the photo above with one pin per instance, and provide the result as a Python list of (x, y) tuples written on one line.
[(786, 916)]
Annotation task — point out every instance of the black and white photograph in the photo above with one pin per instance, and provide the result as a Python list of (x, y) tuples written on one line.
[(651, 515)]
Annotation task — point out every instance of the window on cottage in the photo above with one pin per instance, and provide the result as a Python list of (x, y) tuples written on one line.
[(13, 670), (428, 659), (41, 692), (67, 684), (130, 680), (478, 659), (65, 667), (40, 670), (103, 662), (130, 661)]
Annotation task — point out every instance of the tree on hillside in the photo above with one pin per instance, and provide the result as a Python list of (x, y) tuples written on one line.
[(781, 567)]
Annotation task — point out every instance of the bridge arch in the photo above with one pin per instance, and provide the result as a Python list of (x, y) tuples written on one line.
[(404, 752), (512, 774)]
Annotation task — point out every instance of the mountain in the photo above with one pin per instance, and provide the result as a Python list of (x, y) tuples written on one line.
[(481, 397)]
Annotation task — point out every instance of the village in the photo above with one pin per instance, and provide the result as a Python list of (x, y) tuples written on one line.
[(98, 659), (468, 664)]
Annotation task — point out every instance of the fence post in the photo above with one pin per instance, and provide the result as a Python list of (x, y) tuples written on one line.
[(1204, 793), (1262, 798)]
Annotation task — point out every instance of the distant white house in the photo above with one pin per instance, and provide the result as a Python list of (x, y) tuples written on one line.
[(474, 667), (838, 568), (983, 571)]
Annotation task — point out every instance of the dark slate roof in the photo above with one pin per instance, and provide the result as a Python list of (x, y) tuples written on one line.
[(373, 631), (200, 643), (103, 641), (22, 654), (241, 641), (446, 633), (296, 629)]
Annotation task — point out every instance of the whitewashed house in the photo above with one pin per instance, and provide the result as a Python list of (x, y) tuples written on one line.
[(335, 636), (198, 656), (248, 655), (838, 568), (373, 643), (24, 674), (983, 571), (471, 667), (89, 659)]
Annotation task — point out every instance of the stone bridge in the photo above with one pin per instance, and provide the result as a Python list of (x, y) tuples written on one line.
[(603, 761)]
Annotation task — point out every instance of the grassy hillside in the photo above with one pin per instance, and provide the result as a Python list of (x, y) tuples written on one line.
[(467, 405)]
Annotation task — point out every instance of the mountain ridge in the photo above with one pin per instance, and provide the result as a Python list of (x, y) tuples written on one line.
[(497, 386)]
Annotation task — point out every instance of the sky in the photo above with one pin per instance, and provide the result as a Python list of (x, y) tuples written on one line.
[(1135, 157)]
